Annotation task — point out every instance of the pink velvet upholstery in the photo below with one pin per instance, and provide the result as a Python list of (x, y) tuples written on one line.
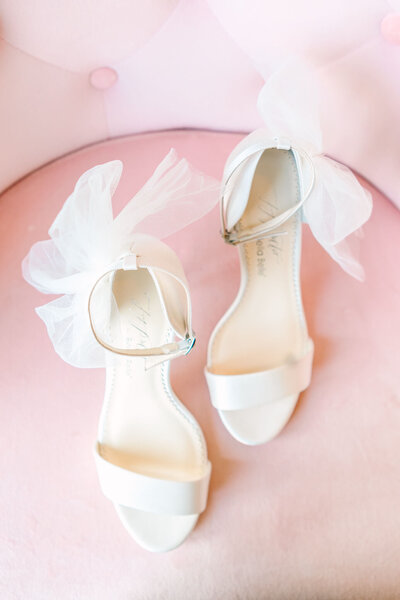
[(313, 514), (193, 63)]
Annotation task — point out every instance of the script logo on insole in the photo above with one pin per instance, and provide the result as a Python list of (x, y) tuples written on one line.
[(274, 244), (139, 314), (269, 207), (271, 244), (260, 258)]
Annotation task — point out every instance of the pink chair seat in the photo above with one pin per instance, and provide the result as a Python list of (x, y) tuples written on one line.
[(313, 514)]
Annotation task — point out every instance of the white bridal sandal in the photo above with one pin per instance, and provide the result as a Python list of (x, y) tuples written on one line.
[(127, 307), (260, 354)]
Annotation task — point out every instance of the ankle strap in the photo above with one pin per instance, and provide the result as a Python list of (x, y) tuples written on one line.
[(132, 262), (266, 229)]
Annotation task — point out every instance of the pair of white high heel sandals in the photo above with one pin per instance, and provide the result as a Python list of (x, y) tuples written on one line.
[(126, 306)]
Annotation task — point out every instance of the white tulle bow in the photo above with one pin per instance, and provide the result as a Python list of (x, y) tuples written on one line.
[(85, 240), (338, 205)]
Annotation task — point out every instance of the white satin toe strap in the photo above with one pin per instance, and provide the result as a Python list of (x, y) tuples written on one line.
[(161, 496), (236, 392)]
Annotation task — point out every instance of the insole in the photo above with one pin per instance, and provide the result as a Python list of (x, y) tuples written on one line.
[(143, 426), (265, 325)]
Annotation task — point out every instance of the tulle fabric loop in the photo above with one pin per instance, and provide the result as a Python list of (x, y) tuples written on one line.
[(85, 239)]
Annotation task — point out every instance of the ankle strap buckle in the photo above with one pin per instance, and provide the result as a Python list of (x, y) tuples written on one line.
[(190, 341), (227, 237)]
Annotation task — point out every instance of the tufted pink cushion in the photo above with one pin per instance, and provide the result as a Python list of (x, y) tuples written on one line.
[(193, 63), (313, 514)]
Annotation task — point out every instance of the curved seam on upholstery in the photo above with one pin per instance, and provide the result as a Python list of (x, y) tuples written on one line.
[(344, 55), (38, 59), (150, 39), (57, 66)]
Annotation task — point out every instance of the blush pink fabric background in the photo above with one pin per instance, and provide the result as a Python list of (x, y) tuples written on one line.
[(312, 515), (194, 63)]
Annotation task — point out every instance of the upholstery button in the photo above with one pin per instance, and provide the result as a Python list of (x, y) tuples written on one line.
[(103, 78), (390, 28)]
